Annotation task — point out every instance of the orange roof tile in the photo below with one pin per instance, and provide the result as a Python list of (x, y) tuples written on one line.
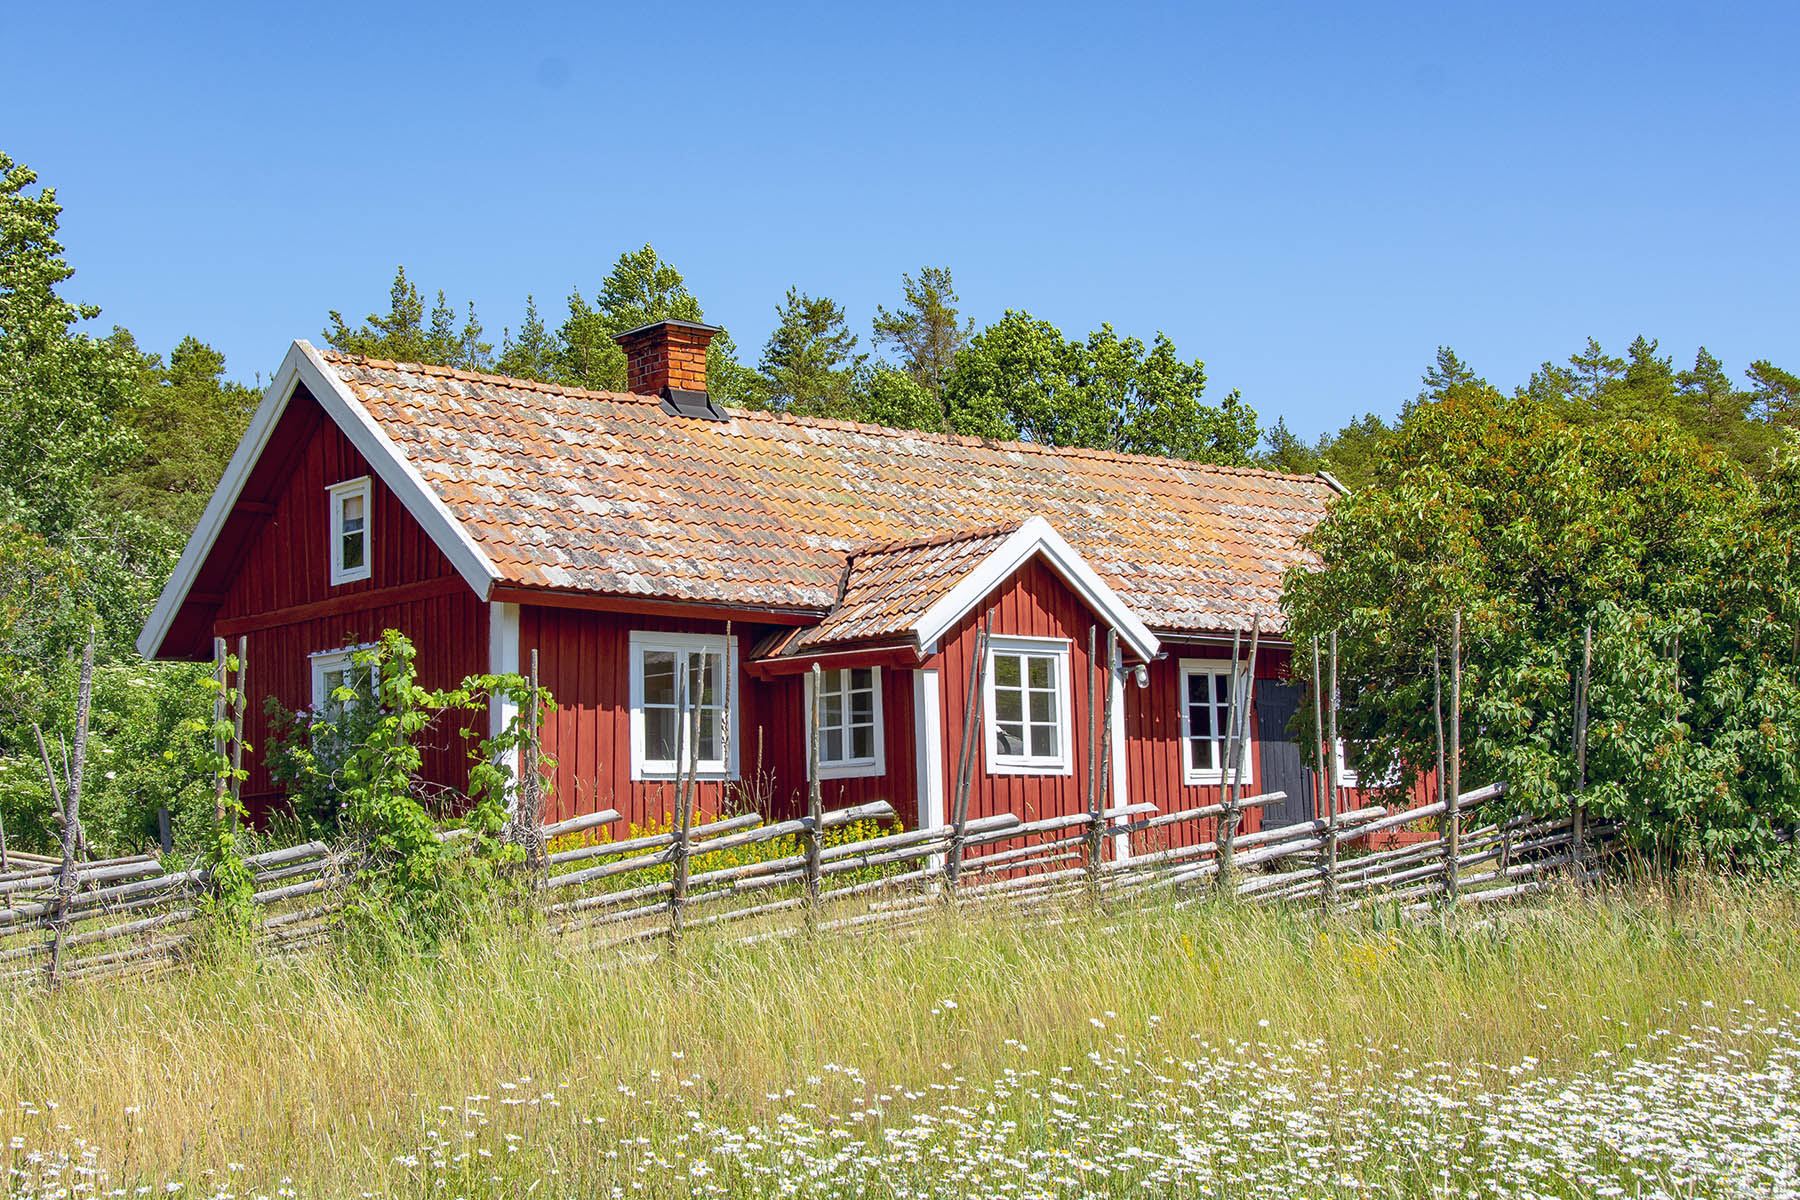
[(604, 492)]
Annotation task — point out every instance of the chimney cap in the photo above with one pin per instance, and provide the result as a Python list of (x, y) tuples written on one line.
[(673, 322)]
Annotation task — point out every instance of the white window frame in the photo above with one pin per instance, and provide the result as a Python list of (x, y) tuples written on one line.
[(1204, 776), (1063, 761), (326, 661), (340, 492), (1348, 777), (722, 768), (848, 767)]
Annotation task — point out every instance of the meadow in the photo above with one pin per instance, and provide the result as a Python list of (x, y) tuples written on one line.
[(1637, 1040)]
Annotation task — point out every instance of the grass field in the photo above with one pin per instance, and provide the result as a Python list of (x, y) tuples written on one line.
[(1638, 1042)]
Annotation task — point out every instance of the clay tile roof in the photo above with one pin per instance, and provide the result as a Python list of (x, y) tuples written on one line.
[(603, 492)]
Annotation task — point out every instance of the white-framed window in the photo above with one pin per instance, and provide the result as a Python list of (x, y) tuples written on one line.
[(1355, 771), (1209, 703), (850, 722), (1027, 706), (668, 669), (339, 681), (350, 546)]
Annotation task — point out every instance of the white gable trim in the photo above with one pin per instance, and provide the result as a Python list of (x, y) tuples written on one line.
[(1035, 536), (303, 364)]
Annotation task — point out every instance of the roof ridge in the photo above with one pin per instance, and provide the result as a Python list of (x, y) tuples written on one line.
[(511, 381), (890, 545), (829, 423)]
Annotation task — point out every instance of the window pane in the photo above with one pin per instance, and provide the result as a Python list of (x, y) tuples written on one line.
[(703, 674), (352, 551), (659, 677), (1196, 688), (1222, 687), (1042, 672), (862, 742), (709, 735), (862, 679), (1010, 739), (659, 734), (862, 706), (352, 510), (1202, 753), (1006, 670), (1008, 705), (1043, 706), (1043, 740), (831, 746), (834, 710), (1200, 715)]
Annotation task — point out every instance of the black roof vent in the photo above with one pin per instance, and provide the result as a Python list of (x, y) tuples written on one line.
[(680, 402)]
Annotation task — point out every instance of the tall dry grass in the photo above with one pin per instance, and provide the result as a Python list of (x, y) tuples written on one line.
[(323, 1072)]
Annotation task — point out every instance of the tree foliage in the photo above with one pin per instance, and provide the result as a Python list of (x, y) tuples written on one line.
[(924, 329), (1020, 378), (810, 366), (1537, 525)]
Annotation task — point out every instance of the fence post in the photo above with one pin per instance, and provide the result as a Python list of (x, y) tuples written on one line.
[(1227, 832), (965, 767), (1321, 789), (1331, 813), (67, 880), (815, 802), (238, 701), (687, 736), (1453, 802), (1578, 815), (220, 676), (530, 815), (1092, 841)]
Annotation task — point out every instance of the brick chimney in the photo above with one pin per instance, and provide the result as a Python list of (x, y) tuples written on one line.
[(666, 354)]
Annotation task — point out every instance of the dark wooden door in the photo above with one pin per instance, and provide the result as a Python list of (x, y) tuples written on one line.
[(1280, 764)]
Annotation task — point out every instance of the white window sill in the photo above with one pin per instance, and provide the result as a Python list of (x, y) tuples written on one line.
[(851, 770), (1004, 766)]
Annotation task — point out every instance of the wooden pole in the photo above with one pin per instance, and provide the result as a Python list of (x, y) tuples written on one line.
[(687, 739), (1246, 709), (965, 775), (237, 732), (531, 782), (1453, 802), (219, 678), (1092, 842), (1102, 788), (67, 880), (1227, 849), (1578, 813), (1321, 791), (1331, 814), (815, 803)]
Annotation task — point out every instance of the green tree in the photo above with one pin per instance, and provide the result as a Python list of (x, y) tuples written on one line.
[(533, 355), (924, 330), (404, 334), (809, 364), (1285, 450), (1775, 393), (1021, 378), (1535, 526), (187, 421), (640, 288)]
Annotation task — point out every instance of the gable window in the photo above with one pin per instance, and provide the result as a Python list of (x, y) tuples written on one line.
[(1209, 704), (850, 734), (668, 670), (340, 682), (350, 504), (1027, 706)]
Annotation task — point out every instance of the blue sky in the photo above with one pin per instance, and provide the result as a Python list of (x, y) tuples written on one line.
[(1311, 198)]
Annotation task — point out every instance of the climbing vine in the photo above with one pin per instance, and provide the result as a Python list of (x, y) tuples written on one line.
[(226, 904), (352, 773)]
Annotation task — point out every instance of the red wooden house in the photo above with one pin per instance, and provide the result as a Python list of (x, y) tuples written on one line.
[(637, 539)]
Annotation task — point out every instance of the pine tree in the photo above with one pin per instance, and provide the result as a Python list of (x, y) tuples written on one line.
[(924, 330), (810, 364)]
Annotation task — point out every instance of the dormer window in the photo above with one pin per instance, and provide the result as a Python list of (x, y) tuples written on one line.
[(349, 547)]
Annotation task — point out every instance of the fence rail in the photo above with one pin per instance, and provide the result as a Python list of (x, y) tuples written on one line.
[(778, 878)]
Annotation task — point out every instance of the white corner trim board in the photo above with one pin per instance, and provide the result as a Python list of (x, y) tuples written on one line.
[(1035, 536), (303, 365)]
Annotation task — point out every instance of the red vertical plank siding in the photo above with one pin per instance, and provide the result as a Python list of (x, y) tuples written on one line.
[(584, 661), (285, 564), (1033, 603)]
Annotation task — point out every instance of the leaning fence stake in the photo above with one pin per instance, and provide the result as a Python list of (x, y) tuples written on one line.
[(1453, 802), (67, 880), (965, 775), (815, 803), (1092, 842), (1321, 793), (1331, 812), (1578, 813), (687, 737)]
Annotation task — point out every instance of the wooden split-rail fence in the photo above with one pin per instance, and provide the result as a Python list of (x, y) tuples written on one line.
[(779, 878)]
